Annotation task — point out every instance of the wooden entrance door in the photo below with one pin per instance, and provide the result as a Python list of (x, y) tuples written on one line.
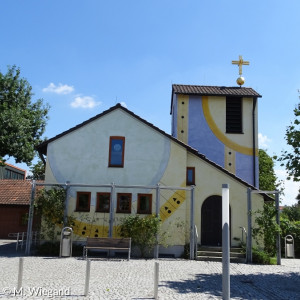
[(211, 221)]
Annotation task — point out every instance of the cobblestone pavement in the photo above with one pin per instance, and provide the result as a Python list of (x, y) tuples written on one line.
[(64, 278)]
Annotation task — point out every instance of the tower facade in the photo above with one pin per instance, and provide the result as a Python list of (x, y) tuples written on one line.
[(221, 123)]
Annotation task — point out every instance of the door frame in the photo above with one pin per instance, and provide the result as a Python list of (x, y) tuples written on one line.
[(220, 221)]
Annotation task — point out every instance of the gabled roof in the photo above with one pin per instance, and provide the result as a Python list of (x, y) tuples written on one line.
[(42, 148), (15, 192), (213, 90), (204, 90)]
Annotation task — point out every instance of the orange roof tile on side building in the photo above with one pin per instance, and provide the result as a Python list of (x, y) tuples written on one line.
[(15, 192)]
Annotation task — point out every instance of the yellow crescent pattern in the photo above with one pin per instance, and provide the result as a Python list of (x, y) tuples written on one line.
[(220, 135)]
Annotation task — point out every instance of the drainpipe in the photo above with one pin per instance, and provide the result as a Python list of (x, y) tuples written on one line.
[(253, 141)]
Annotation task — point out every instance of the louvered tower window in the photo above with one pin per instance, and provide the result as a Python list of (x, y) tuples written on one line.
[(234, 115)]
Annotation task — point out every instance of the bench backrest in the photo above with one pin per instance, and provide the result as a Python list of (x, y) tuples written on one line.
[(109, 242)]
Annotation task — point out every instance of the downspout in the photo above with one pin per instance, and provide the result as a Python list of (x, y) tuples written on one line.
[(254, 141)]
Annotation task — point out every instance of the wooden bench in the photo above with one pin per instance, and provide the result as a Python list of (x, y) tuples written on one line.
[(107, 244)]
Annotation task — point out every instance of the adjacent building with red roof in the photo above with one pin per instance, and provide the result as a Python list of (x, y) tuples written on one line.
[(14, 206)]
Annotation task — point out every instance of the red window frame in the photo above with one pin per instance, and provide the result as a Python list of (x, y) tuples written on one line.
[(110, 159), (104, 210), (190, 182), (78, 208), (120, 204), (149, 210)]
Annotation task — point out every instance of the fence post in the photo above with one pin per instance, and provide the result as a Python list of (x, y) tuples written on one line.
[(225, 243), (20, 273), (156, 279), (66, 203), (157, 206), (249, 237), (192, 226), (87, 277), (30, 218), (111, 211), (278, 246)]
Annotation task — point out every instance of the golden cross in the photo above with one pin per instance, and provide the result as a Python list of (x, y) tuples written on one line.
[(240, 62)]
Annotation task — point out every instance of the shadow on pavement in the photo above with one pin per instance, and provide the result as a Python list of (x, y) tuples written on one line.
[(264, 286), (8, 249)]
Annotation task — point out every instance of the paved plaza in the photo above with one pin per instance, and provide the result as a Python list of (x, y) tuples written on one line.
[(64, 278)]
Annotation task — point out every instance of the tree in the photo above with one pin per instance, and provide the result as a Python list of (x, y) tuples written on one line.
[(22, 121), (292, 212), (291, 160), (267, 177), (265, 219), (38, 171), (267, 228)]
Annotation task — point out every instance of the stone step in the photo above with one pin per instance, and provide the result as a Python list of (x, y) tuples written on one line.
[(219, 259), (218, 249), (206, 253), (219, 254)]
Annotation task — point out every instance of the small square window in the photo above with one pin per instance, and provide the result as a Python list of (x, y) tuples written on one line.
[(116, 151), (103, 202), (144, 204), (123, 203), (83, 201), (190, 176)]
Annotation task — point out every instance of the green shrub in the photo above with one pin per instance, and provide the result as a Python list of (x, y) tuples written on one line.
[(142, 231), (186, 251), (260, 257), (266, 229), (290, 228)]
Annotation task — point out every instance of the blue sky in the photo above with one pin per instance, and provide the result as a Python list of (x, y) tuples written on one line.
[(83, 57)]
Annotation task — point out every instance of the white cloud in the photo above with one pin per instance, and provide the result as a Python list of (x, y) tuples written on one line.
[(263, 141), (84, 102), (59, 89), (291, 188)]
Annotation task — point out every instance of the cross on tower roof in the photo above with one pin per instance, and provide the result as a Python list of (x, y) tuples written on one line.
[(241, 80), (240, 62)]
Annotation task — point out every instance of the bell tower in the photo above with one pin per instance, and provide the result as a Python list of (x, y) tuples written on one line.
[(221, 123)]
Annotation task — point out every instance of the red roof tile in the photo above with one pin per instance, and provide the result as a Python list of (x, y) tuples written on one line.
[(214, 90), (15, 192)]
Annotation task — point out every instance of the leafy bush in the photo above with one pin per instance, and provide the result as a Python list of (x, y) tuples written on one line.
[(267, 228), (290, 228), (260, 257), (50, 204), (186, 251), (142, 231)]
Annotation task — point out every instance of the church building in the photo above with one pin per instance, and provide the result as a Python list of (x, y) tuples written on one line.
[(116, 162)]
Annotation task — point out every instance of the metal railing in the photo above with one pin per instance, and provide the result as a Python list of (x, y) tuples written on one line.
[(244, 232), (21, 238), (196, 241)]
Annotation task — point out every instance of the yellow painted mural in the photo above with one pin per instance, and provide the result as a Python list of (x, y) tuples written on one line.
[(220, 135), (167, 209)]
